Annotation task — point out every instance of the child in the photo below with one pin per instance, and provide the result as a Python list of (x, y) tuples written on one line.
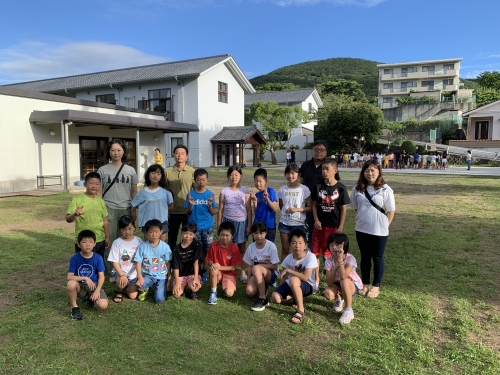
[(186, 263), (341, 278), (152, 263), (86, 276), (234, 206), (89, 212), (294, 202), (154, 200), (222, 259), (121, 255), (297, 278), (158, 157), (262, 259), (265, 203), (329, 210), (200, 204)]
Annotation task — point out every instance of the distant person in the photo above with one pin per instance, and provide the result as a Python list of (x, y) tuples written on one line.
[(293, 154), (397, 159), (416, 158), (444, 160), (86, 276), (288, 157), (265, 203), (158, 157), (468, 159), (89, 212)]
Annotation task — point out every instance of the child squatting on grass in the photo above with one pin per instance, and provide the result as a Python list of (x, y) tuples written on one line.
[(297, 278), (86, 276), (152, 262), (121, 255), (341, 278)]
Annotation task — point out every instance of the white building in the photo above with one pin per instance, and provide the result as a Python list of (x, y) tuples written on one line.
[(308, 99), (206, 92)]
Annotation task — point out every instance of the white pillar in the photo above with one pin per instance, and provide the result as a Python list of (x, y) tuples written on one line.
[(63, 144), (66, 147)]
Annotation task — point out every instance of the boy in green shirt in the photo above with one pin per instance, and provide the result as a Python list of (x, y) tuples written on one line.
[(89, 212)]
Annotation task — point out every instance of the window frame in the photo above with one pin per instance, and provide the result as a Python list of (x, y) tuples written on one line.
[(167, 99), (105, 96), (222, 92)]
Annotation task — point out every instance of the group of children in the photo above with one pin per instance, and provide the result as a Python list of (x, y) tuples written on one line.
[(197, 259)]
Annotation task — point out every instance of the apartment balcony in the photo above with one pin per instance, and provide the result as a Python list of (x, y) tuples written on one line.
[(395, 91), (418, 75)]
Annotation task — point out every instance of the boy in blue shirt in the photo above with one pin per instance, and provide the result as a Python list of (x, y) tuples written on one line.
[(265, 203), (86, 276), (200, 204), (152, 262)]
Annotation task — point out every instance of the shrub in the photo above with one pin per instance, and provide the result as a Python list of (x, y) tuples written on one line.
[(408, 146)]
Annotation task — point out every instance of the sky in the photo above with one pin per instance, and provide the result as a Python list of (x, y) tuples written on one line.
[(55, 38)]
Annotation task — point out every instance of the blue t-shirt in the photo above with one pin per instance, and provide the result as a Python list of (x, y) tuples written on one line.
[(415, 157), (152, 205), (263, 211), (200, 214), (86, 267), (154, 259)]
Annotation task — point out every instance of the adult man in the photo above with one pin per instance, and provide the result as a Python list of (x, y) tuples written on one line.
[(293, 154), (180, 180), (397, 159), (310, 175)]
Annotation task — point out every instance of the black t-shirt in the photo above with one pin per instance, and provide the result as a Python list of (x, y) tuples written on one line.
[(183, 258), (313, 175), (397, 156), (293, 156), (329, 199)]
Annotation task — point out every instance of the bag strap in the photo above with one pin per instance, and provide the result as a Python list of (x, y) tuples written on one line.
[(114, 180), (373, 203)]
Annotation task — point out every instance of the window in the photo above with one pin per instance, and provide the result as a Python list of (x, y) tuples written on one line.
[(310, 107), (387, 100), (407, 70), (222, 92), (408, 84), (387, 85), (448, 66), (388, 71), (159, 100), (107, 98), (429, 68), (448, 81), (427, 83), (174, 142)]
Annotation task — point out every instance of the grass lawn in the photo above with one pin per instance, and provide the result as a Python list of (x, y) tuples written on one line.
[(438, 310)]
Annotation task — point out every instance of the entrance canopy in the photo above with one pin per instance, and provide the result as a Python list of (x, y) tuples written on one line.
[(235, 138)]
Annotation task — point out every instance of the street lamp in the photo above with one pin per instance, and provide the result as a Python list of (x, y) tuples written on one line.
[(307, 141)]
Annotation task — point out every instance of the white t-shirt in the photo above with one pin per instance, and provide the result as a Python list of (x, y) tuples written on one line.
[(309, 261), (268, 254), (123, 252), (293, 197), (369, 220)]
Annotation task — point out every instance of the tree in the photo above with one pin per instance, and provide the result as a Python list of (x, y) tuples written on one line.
[(277, 87), (408, 146), (486, 96), (351, 89), (489, 80), (277, 122), (391, 129), (350, 124)]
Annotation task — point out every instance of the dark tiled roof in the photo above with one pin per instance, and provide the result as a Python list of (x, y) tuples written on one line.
[(236, 134), (281, 97), (140, 74)]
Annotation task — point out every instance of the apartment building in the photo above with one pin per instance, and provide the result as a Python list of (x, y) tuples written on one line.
[(417, 78)]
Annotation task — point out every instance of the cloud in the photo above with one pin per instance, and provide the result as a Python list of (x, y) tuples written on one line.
[(363, 3), (34, 60)]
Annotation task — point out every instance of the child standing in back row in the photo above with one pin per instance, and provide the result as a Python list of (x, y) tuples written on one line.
[(234, 206), (265, 203)]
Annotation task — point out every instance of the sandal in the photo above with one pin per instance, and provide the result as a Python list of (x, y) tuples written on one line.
[(118, 298), (299, 315), (364, 291), (373, 293)]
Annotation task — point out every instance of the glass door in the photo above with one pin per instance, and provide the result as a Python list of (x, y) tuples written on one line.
[(92, 154), (131, 145)]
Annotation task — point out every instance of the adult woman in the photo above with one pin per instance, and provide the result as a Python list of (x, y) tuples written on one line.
[(118, 186), (468, 159), (374, 203)]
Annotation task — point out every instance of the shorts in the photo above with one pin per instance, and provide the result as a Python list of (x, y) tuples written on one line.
[(320, 241), (284, 289), (240, 228), (164, 228), (356, 291), (85, 293), (444, 160), (227, 281), (184, 280), (283, 228), (160, 292), (98, 248), (206, 237)]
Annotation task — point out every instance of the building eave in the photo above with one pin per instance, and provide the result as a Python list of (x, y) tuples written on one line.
[(418, 62)]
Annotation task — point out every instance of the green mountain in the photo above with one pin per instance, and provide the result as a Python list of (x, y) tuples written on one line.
[(311, 73)]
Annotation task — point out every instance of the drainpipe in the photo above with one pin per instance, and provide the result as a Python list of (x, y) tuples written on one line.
[(65, 151), (182, 96)]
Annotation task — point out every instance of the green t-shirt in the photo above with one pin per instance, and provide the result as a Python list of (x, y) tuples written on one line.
[(94, 210), (180, 182)]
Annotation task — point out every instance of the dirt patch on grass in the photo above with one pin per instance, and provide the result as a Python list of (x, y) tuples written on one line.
[(41, 226)]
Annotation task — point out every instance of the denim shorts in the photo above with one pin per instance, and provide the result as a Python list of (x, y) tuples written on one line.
[(206, 237), (164, 228), (240, 228), (160, 292), (284, 289), (283, 228), (356, 290)]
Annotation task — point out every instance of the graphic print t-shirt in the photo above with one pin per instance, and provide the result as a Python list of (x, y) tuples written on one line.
[(267, 255), (225, 256), (309, 261), (86, 267), (296, 198), (329, 199), (183, 258), (154, 259), (123, 252), (200, 213), (118, 197)]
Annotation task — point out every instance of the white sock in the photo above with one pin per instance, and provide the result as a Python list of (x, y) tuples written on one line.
[(348, 308), (214, 290)]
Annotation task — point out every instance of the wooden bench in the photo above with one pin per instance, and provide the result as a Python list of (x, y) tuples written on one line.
[(40, 180)]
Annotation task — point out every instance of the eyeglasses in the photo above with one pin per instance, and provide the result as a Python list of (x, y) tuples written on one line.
[(319, 149)]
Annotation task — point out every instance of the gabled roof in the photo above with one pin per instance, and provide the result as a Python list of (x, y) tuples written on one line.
[(480, 108), (142, 74), (238, 134), (288, 97)]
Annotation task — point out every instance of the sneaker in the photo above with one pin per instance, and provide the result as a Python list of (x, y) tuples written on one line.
[(76, 314), (194, 296), (142, 295), (275, 284), (212, 300), (204, 278), (347, 316), (90, 303), (260, 304), (338, 305)]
